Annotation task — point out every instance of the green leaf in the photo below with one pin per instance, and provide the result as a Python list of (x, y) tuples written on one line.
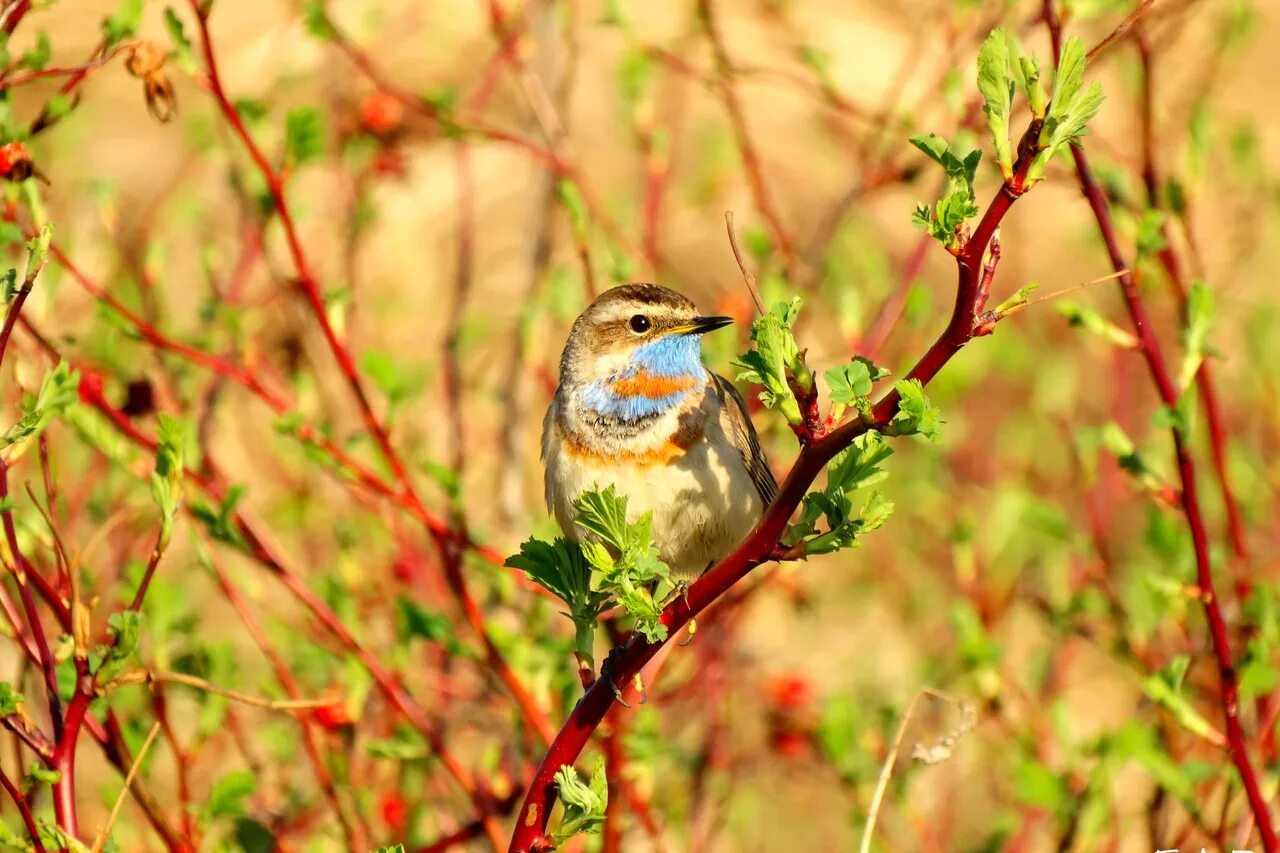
[(1165, 689), (635, 71), (45, 775), (1039, 786), (304, 135), (405, 744), (38, 57), (221, 521), (850, 384), (605, 514), (252, 837), (227, 796), (957, 204), (1151, 232), (858, 465), (995, 81), (775, 356), (58, 391), (182, 51), (10, 699), (854, 468), (415, 620), (390, 374), (584, 803), (123, 24), (916, 415), (37, 249), (1026, 72), (1196, 324), (1091, 321), (317, 20), (1071, 107), (250, 110), (172, 436), (574, 204), (125, 629), (560, 568), (1018, 299)]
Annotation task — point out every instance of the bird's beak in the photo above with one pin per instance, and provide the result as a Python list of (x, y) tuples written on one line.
[(702, 325)]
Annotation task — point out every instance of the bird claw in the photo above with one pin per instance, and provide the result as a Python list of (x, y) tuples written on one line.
[(606, 672)]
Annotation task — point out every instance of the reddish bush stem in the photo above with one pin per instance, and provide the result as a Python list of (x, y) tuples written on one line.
[(761, 543), (1168, 392)]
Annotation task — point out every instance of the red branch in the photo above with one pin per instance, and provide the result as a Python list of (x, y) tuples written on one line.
[(761, 544), (1154, 357), (308, 284), (1204, 376), (24, 808)]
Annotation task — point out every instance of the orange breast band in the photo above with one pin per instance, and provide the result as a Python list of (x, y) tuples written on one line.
[(642, 383)]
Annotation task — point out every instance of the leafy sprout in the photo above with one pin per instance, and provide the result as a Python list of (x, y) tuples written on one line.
[(775, 360), (616, 564), (584, 803)]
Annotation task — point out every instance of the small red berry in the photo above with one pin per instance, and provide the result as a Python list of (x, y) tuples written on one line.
[(395, 812), (90, 385), (790, 692), (790, 743), (381, 112), (332, 717)]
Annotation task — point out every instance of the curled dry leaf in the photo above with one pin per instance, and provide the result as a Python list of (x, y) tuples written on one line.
[(146, 62)]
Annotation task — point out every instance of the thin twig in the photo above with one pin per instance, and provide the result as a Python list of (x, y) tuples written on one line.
[(747, 277), (1169, 394), (1120, 31), (886, 769), (1049, 297), (147, 676), (101, 839)]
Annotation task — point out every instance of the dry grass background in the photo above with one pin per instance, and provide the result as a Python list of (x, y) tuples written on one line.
[(872, 624)]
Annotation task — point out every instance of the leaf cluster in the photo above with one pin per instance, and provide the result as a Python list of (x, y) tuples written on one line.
[(776, 361), (166, 482), (957, 205), (615, 565), (853, 469), (58, 390), (1004, 71), (851, 385)]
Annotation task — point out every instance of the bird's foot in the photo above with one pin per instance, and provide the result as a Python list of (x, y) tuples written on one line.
[(606, 673)]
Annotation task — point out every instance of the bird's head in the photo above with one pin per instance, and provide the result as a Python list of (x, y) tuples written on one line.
[(636, 351)]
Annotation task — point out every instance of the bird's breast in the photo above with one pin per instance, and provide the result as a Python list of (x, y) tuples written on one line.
[(684, 470)]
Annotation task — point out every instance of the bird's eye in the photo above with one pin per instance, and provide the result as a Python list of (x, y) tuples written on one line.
[(639, 324)]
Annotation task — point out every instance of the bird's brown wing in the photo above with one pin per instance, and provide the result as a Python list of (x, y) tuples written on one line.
[(737, 425)]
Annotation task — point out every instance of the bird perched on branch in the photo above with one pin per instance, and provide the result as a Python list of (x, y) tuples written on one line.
[(637, 410)]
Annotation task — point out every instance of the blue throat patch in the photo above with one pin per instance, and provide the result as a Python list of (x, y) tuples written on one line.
[(672, 356)]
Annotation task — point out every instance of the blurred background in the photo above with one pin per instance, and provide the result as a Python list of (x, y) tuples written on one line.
[(463, 177)]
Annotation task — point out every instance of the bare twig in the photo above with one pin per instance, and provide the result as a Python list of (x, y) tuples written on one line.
[(148, 676), (105, 832), (747, 277), (886, 769)]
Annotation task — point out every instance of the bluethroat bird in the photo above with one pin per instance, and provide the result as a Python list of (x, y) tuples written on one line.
[(637, 410)]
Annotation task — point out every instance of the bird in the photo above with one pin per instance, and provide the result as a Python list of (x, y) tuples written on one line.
[(637, 410)]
